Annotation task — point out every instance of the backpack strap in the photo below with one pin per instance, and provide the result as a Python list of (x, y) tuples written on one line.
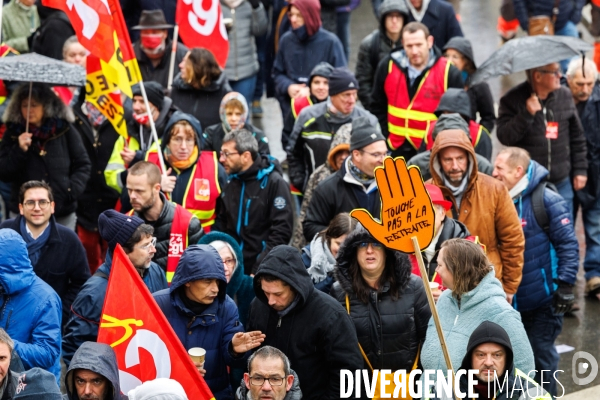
[(537, 203)]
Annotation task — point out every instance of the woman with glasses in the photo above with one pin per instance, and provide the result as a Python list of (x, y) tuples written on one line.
[(191, 172), (386, 302)]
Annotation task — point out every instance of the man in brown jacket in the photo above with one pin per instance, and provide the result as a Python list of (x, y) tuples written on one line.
[(481, 203)]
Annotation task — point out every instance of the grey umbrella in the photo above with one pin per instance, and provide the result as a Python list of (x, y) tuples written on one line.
[(529, 52)]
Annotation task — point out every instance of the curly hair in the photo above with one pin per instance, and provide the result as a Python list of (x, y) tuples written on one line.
[(202, 68), (40, 93), (467, 262)]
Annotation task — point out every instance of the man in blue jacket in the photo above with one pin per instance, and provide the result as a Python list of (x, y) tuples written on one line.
[(438, 16), (551, 257), (136, 239), (30, 311)]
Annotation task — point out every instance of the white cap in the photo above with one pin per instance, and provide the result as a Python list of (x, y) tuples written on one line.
[(158, 389)]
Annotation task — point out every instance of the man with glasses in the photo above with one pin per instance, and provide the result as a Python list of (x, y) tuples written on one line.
[(256, 206), (353, 185), (55, 252), (137, 241), (269, 376), (539, 115)]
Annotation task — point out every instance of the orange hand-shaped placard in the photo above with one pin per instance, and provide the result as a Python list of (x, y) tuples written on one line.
[(406, 209)]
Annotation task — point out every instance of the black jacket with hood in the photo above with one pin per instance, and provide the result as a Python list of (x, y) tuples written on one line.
[(389, 331), (99, 358), (256, 209), (315, 332)]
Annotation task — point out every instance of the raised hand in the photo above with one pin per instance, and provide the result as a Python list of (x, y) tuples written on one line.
[(406, 209), (242, 342)]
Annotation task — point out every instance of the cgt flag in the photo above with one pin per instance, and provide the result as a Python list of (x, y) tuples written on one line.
[(146, 345)]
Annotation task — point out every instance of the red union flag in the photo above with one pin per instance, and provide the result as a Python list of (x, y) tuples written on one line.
[(146, 346), (203, 27)]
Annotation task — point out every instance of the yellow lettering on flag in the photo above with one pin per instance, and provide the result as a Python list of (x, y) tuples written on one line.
[(117, 323)]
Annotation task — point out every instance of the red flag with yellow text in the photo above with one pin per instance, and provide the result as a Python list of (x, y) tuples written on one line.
[(146, 346)]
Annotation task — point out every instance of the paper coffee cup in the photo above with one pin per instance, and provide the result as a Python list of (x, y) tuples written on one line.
[(197, 354), (434, 285)]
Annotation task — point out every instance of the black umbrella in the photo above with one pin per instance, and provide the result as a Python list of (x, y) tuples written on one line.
[(529, 52)]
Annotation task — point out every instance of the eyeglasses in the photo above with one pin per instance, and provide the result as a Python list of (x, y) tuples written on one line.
[(180, 140), (555, 72), (226, 155), (259, 381), (147, 246), (30, 204), (230, 262), (377, 155), (364, 245)]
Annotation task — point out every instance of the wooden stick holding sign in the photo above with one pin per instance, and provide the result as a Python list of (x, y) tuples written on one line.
[(406, 223)]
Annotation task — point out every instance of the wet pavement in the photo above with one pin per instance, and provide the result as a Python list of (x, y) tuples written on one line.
[(479, 17)]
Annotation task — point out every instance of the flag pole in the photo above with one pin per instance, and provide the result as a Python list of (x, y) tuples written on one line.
[(154, 136), (173, 54)]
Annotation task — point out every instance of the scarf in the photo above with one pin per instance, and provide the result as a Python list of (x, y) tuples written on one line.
[(519, 187), (181, 164), (93, 115), (321, 260), (232, 3), (457, 191), (418, 15), (360, 176), (47, 130), (34, 246), (430, 251)]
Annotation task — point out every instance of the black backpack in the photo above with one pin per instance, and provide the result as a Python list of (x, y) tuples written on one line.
[(537, 203)]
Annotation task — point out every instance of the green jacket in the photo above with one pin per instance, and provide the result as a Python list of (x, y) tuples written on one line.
[(18, 24)]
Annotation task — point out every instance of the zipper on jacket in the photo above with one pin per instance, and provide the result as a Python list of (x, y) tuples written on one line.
[(247, 212), (279, 323)]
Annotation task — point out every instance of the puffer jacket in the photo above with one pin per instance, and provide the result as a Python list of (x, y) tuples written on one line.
[(101, 359), (389, 331), (487, 211), (563, 157), (215, 327), (567, 11), (30, 311), (87, 307), (315, 332), (295, 393), (375, 47), (248, 22), (590, 119), (550, 256), (487, 302)]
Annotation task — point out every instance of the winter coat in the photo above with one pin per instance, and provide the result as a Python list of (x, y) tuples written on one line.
[(340, 192), (590, 119), (305, 155), (201, 103), (316, 334), (65, 165), (239, 287), (441, 21), (248, 22), (62, 264), (49, 38), (487, 302), (214, 328), (422, 160), (257, 210), (389, 330), (18, 25), (162, 231), (567, 11), (100, 359), (87, 307), (375, 47), (563, 157), (293, 394), (548, 256), (160, 73), (97, 196), (30, 311), (487, 211)]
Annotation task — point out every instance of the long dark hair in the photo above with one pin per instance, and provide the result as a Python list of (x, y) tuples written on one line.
[(342, 224), (204, 68)]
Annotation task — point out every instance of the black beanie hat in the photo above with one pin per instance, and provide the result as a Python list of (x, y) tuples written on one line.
[(364, 133), (154, 91), (115, 227), (341, 80)]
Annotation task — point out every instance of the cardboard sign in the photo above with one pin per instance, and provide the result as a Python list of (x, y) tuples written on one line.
[(406, 209), (552, 130)]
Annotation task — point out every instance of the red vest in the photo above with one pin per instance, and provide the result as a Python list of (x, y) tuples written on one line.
[(299, 103), (410, 119), (475, 131)]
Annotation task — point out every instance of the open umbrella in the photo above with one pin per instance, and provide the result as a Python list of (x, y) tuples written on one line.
[(529, 52)]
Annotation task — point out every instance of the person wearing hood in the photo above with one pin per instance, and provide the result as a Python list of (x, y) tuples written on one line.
[(438, 16), (202, 315), (338, 152), (234, 115), (408, 86), (256, 204), (195, 178), (392, 15), (51, 150), (318, 83), (446, 122), (310, 327), (158, 389), (459, 51), (317, 125), (200, 86), (31, 309), (387, 304), (128, 151), (300, 50), (481, 203), (93, 374), (551, 254), (20, 20), (136, 239), (474, 295)]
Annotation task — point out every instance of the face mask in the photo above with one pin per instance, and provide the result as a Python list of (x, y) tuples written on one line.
[(141, 119), (152, 42)]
